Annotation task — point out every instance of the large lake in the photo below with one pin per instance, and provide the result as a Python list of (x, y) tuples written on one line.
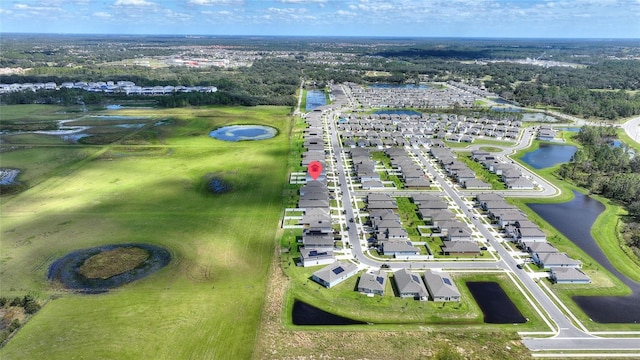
[(574, 220), (548, 155)]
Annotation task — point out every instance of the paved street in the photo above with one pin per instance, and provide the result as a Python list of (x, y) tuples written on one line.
[(569, 333)]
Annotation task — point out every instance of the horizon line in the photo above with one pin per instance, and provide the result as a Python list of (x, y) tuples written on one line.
[(323, 36)]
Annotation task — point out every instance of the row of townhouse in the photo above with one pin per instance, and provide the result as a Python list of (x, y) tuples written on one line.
[(412, 97), (317, 233), (109, 87), (456, 234), (357, 130), (364, 168), (529, 237), (407, 169), (508, 172), (458, 171), (432, 285)]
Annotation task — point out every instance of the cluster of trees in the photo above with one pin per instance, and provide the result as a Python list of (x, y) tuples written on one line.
[(598, 87), (612, 171), (9, 324), (579, 101)]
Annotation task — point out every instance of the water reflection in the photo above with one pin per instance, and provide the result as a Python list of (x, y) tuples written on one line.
[(243, 132), (305, 314), (495, 304), (548, 155), (574, 220), (315, 98)]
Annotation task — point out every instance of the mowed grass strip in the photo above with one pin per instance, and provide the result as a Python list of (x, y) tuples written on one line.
[(206, 303)]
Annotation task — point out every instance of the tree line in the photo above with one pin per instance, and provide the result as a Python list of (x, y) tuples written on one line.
[(610, 170)]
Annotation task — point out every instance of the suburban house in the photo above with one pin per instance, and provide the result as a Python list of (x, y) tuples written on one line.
[(530, 234), (398, 248), (440, 286), (476, 184), (506, 217), (316, 219), (317, 240), (459, 234), (410, 285), (373, 283), (536, 249), (334, 274), (568, 275), (459, 247), (549, 260), (313, 257), (393, 233), (520, 184)]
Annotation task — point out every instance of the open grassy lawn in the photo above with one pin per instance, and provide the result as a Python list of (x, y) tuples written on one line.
[(206, 303)]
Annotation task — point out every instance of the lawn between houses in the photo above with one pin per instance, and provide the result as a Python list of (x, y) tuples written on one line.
[(605, 231), (221, 244)]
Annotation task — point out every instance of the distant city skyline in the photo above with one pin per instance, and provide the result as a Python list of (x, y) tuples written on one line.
[(393, 18)]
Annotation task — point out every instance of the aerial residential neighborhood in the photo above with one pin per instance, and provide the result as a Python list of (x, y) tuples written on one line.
[(319, 180)]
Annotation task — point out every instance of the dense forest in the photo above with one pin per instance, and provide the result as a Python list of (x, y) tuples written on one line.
[(610, 170), (602, 79)]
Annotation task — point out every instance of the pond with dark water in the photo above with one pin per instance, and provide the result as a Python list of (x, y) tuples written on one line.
[(315, 98), (574, 220), (305, 314), (548, 155), (495, 304), (66, 269), (243, 133)]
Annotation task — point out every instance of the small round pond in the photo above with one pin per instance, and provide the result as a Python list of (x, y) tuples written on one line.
[(305, 314), (243, 132), (495, 303), (548, 155), (98, 269)]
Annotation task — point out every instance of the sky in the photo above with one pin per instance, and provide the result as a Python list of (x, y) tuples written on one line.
[(393, 18)]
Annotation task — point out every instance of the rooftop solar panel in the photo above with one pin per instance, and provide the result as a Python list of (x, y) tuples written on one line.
[(415, 278), (380, 279), (338, 270), (446, 281)]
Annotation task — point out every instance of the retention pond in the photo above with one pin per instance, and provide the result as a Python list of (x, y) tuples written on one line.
[(548, 155), (495, 303), (305, 314), (243, 132), (574, 220)]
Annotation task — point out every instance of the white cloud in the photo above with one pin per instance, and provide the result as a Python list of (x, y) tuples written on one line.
[(303, 1), (217, 2), (133, 3), (102, 14), (177, 15)]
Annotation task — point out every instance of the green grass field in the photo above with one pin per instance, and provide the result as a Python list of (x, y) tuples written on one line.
[(206, 303)]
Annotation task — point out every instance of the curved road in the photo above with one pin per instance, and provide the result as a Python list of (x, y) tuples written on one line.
[(568, 336)]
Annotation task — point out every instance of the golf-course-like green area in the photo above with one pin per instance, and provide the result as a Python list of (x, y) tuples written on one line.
[(148, 186)]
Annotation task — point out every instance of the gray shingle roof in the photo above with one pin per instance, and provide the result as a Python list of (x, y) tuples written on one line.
[(440, 285)]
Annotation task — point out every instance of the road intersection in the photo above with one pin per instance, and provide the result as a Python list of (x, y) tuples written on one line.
[(568, 333)]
